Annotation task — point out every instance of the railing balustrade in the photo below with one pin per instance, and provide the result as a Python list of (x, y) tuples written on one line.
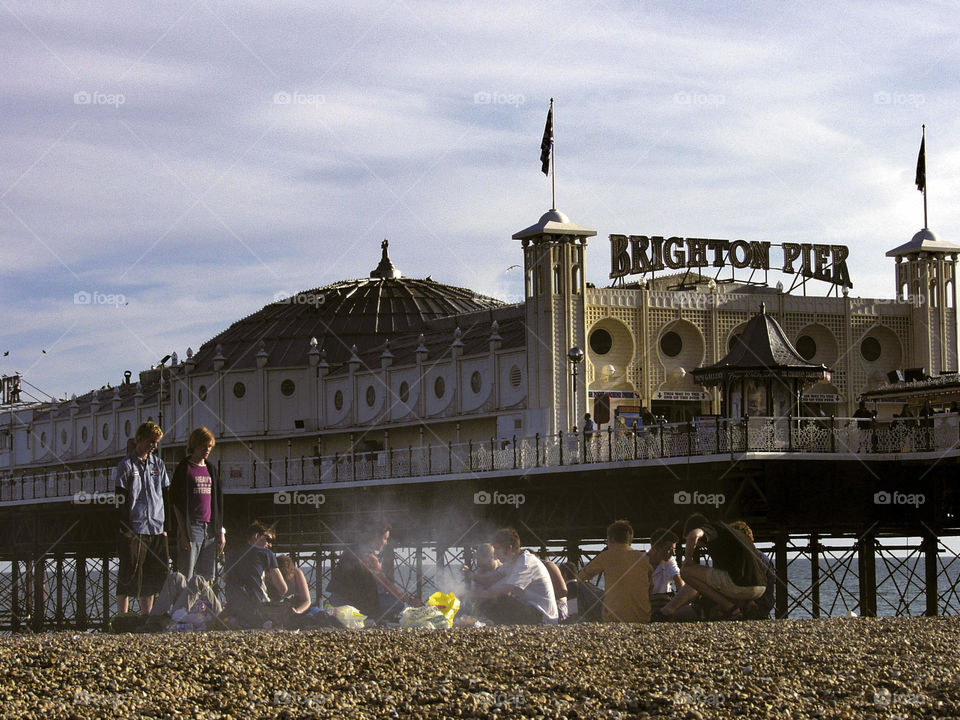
[(707, 436)]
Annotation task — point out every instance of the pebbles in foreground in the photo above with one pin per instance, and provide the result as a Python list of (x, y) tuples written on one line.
[(865, 668)]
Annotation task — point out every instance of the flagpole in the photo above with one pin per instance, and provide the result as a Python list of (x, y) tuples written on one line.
[(553, 167), (923, 142)]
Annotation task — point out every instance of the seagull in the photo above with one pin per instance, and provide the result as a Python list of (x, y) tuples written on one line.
[(44, 352), (6, 352), (511, 268)]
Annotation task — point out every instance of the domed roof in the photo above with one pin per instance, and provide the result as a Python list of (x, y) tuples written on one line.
[(362, 312), (924, 241)]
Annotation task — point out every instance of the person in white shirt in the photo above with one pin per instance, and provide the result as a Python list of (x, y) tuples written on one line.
[(524, 594), (666, 572)]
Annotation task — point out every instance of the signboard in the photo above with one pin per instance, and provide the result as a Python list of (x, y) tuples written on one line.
[(9, 389), (821, 398), (618, 394), (642, 254), (681, 395)]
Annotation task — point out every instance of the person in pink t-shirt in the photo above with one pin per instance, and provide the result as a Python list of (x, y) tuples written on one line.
[(196, 497)]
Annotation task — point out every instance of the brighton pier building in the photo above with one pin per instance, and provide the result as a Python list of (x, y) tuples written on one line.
[(388, 364), (452, 413)]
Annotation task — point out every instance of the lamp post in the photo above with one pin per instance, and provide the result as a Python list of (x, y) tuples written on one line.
[(575, 356), (163, 362)]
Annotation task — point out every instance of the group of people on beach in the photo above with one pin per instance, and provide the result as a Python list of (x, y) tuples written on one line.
[(154, 509), (503, 583)]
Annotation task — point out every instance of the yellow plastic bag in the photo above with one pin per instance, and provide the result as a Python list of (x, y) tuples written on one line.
[(447, 603)]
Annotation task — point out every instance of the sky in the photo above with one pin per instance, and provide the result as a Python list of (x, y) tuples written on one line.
[(169, 168)]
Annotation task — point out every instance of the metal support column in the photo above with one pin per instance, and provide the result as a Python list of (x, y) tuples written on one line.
[(815, 573), (780, 563), (38, 616), (867, 559), (107, 600), (81, 573), (15, 595), (931, 546)]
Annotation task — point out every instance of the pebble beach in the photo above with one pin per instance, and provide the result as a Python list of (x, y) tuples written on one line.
[(837, 668)]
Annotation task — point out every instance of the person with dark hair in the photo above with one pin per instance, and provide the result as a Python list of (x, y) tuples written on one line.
[(666, 573), (737, 575), (627, 577), (248, 571), (524, 593), (196, 500), (358, 578)]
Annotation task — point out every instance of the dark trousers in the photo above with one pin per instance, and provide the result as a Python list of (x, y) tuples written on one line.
[(508, 610)]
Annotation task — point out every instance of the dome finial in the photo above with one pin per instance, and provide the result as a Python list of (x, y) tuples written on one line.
[(386, 270)]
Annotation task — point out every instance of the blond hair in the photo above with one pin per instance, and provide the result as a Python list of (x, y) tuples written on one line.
[(199, 438), (148, 430)]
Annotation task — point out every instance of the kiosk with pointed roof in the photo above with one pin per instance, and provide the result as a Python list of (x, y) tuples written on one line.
[(763, 374)]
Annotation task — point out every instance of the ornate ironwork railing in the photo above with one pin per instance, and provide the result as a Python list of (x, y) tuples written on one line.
[(705, 437)]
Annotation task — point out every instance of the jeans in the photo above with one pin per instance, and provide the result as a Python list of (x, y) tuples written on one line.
[(200, 558)]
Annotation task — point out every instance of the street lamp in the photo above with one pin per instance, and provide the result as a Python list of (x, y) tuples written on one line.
[(575, 356)]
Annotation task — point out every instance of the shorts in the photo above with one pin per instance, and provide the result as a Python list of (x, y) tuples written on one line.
[(721, 581), (144, 565)]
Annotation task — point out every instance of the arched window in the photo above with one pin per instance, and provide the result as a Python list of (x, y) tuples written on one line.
[(575, 279), (557, 280)]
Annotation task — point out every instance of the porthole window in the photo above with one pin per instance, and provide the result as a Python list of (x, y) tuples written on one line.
[(371, 396), (600, 341), (105, 431), (671, 344), (404, 392), (338, 400), (83, 434), (870, 349), (287, 387), (126, 428), (476, 382), (807, 347), (439, 387), (515, 376), (239, 390), (202, 393)]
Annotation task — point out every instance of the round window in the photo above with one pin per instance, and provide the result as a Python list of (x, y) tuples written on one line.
[(671, 344), (515, 376), (202, 393), (105, 431), (287, 387), (600, 341), (870, 349), (439, 387), (338, 400), (476, 382), (806, 346), (239, 390), (404, 392), (371, 396), (83, 434)]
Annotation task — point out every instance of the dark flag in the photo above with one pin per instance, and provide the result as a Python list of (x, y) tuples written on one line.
[(546, 145), (922, 168)]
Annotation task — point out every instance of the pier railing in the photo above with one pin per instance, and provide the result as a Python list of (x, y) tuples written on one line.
[(704, 437)]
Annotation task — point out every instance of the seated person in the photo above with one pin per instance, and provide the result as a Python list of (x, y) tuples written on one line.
[(666, 572), (736, 577), (487, 567), (627, 577), (760, 609), (248, 570), (358, 578), (193, 602), (524, 593), (559, 589), (298, 594)]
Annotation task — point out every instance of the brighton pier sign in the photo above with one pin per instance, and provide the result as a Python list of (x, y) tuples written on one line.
[(640, 254)]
